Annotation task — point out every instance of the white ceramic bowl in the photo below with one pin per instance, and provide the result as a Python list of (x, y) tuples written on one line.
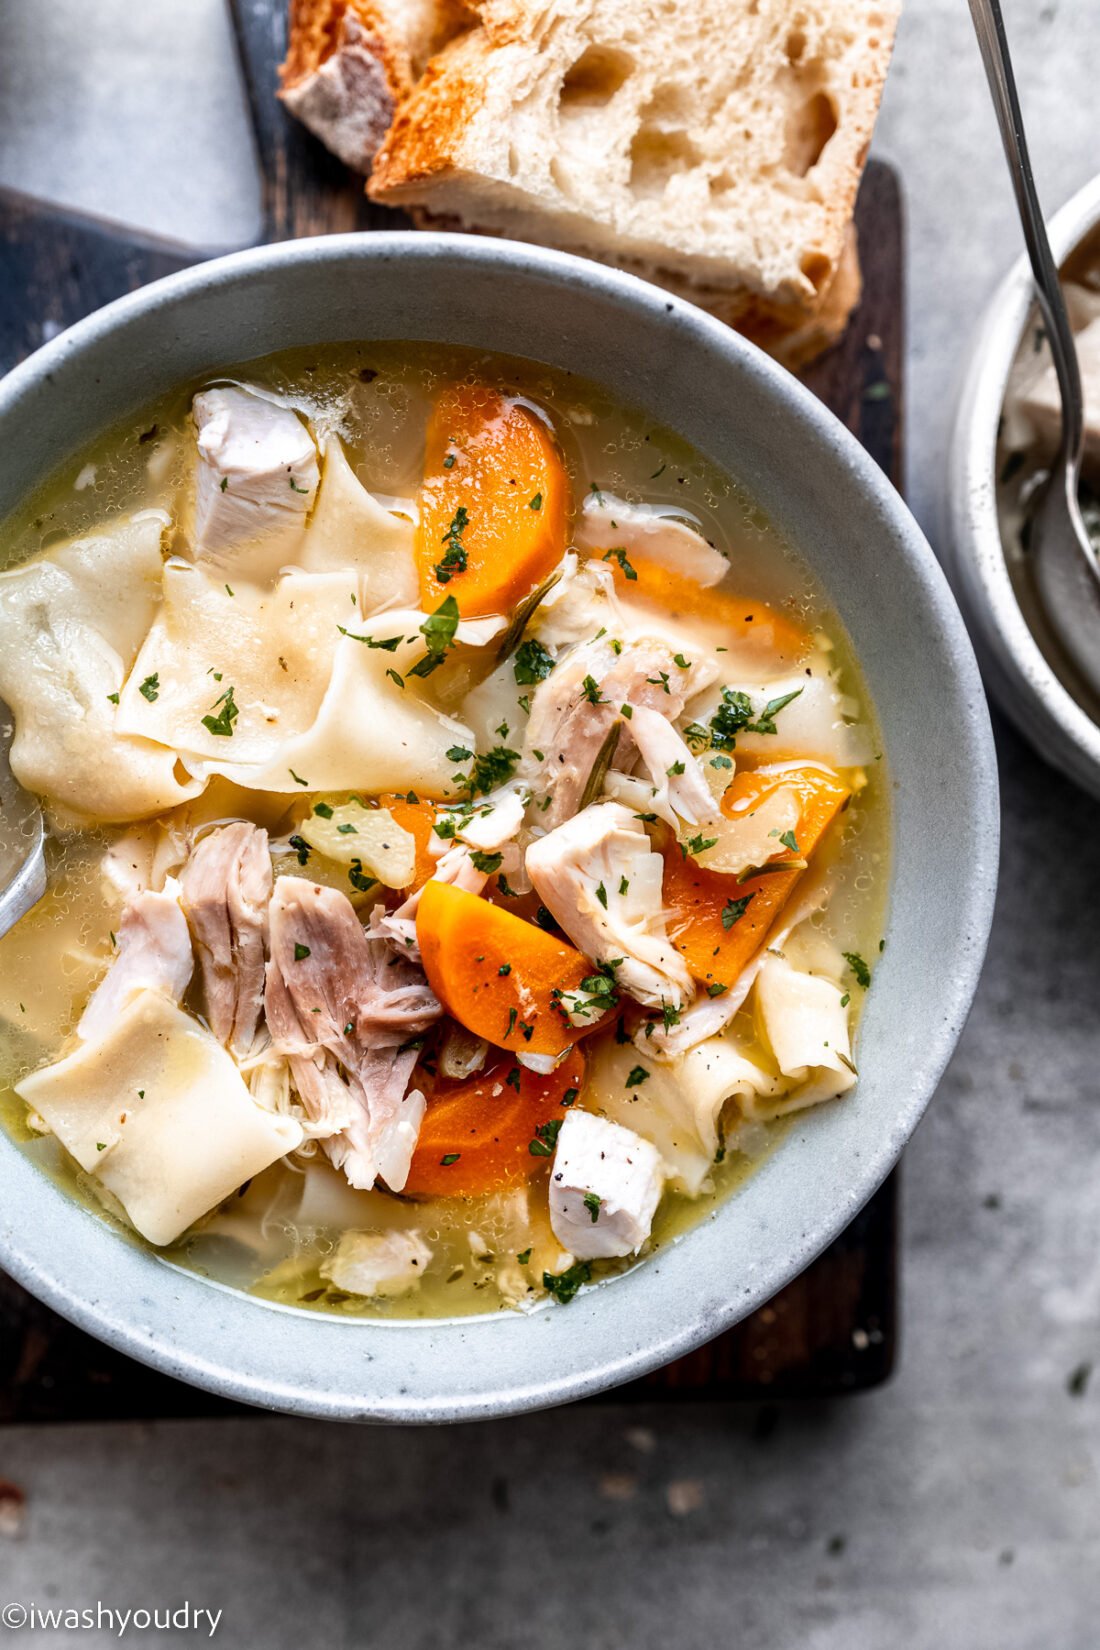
[(809, 473), (1017, 673)]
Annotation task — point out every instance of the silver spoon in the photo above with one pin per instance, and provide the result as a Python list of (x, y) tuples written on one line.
[(22, 838), (1064, 563)]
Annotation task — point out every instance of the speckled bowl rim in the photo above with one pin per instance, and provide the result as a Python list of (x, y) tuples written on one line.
[(807, 469), (1018, 675)]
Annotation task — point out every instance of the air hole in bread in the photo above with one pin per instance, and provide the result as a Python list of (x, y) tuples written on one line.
[(817, 268), (595, 78), (809, 129), (795, 45), (720, 183), (656, 156)]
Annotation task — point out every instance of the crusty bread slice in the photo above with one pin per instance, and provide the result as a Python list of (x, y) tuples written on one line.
[(716, 144), (350, 63)]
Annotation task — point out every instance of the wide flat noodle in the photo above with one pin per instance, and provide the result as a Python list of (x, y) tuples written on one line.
[(678, 1106), (158, 1112), (349, 528), (273, 648), (815, 726), (805, 1022), (71, 622)]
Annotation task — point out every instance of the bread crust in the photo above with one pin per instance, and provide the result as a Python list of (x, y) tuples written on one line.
[(442, 155)]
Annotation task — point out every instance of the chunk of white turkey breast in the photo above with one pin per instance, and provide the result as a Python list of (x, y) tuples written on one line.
[(377, 1265), (256, 479), (680, 790), (656, 532), (225, 891), (605, 1185), (154, 954), (805, 1021), (678, 1106), (601, 879), (158, 1113), (344, 1010)]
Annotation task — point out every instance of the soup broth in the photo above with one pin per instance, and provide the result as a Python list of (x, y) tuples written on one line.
[(504, 1240)]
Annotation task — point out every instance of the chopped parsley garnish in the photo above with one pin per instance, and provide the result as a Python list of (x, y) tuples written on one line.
[(546, 1138), (221, 726), (734, 910), (620, 557), (493, 768), (670, 1015), (294, 487), (514, 1078), (699, 844), (660, 680), (224, 483), (765, 722), (590, 690), (536, 502), (459, 753), (438, 630), (733, 714), (505, 968), (601, 894), (532, 663), (513, 1016), (451, 1157), (524, 1258), (678, 659), (486, 862), (394, 677), (636, 1075), (720, 762), (789, 840), (113, 697), (301, 952), (297, 778), (564, 1285), (593, 1204), (388, 644), (676, 769), (449, 462), (454, 557), (624, 885), (348, 830), (859, 968), (569, 1097), (717, 989), (301, 848), (358, 877), (150, 688), (322, 810)]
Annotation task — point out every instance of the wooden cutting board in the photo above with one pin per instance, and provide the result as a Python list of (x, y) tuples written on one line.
[(832, 1330)]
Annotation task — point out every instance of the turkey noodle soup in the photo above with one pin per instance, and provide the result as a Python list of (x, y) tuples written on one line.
[(468, 836)]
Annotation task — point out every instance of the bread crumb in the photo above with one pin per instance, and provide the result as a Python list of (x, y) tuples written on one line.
[(684, 1496), (618, 1486)]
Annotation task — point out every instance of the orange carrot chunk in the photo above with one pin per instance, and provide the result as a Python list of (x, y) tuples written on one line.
[(675, 596), (717, 922), (494, 504), (497, 975), (490, 1130)]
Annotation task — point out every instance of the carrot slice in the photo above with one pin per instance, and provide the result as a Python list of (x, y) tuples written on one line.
[(418, 818), (494, 504), (675, 596), (499, 976), (477, 1134), (702, 902)]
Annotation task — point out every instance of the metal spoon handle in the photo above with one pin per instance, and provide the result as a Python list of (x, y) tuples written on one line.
[(990, 29)]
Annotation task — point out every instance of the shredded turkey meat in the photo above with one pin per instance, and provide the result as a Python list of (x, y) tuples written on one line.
[(574, 710), (154, 954), (344, 1010), (226, 889)]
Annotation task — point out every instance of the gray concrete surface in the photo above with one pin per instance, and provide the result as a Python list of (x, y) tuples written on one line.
[(955, 1508)]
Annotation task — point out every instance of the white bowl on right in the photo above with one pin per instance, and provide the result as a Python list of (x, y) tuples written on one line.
[(1016, 671)]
